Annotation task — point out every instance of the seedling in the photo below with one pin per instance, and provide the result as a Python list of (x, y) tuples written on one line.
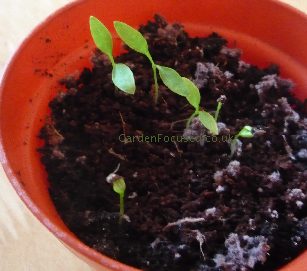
[(245, 132), (119, 187), (122, 75), (220, 101), (135, 40), (185, 87), (172, 79)]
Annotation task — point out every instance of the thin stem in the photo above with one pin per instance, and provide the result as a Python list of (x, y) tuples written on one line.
[(154, 69), (217, 112), (112, 60), (121, 207), (190, 118), (156, 95)]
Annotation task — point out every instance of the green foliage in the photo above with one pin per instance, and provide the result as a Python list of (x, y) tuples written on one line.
[(119, 187), (192, 93), (186, 88), (172, 80), (122, 75), (245, 132), (123, 78), (220, 101), (218, 109), (208, 121), (102, 37), (132, 37)]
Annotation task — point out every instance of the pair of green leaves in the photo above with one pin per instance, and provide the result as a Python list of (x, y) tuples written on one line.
[(122, 75), (245, 132), (186, 88)]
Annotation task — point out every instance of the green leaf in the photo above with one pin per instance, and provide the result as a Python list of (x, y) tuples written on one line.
[(123, 78), (119, 186), (193, 95), (246, 132), (101, 36), (172, 80), (208, 121), (132, 37)]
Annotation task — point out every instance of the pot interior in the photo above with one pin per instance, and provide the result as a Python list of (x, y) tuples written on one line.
[(266, 31)]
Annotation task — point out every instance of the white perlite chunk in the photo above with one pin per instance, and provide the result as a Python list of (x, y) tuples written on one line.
[(228, 74), (233, 168), (177, 255), (299, 204), (210, 211), (132, 195), (218, 176), (302, 154), (295, 194), (273, 213), (274, 177), (240, 257), (220, 189), (296, 240)]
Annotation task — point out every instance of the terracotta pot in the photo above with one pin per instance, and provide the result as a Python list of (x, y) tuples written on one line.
[(266, 30)]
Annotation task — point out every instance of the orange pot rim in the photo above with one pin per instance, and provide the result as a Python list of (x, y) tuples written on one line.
[(14, 179)]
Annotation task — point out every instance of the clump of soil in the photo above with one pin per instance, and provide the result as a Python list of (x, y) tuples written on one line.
[(189, 206)]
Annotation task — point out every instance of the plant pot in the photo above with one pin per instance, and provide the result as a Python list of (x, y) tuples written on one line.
[(62, 45)]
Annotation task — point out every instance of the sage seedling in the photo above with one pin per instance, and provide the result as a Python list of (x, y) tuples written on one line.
[(245, 132), (186, 88), (220, 101), (119, 187), (122, 75), (135, 40)]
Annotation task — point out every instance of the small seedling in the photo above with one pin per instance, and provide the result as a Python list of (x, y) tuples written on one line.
[(119, 187), (220, 101), (185, 87), (122, 75), (135, 40), (245, 132)]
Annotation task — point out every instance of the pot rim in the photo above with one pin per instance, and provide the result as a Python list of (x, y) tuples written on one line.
[(14, 179)]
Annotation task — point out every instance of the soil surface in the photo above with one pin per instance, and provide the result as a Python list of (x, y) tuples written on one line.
[(189, 205)]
